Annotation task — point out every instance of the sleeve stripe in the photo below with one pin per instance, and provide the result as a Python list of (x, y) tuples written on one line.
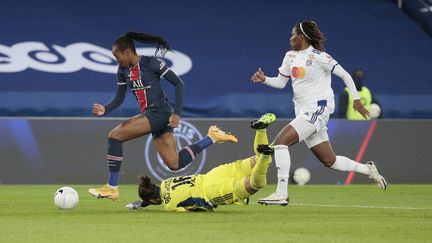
[(121, 83), (165, 72), (286, 76), (334, 67)]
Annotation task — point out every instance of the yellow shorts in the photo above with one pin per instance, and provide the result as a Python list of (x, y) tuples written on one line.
[(225, 184)]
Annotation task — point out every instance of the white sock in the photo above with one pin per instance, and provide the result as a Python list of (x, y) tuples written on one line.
[(112, 187), (283, 164), (345, 164)]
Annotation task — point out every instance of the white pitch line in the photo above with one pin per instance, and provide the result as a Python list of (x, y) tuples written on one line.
[(290, 204), (355, 206)]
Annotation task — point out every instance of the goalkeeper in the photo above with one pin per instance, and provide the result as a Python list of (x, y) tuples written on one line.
[(231, 183)]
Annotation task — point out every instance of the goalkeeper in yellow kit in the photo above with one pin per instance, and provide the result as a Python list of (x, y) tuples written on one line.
[(231, 183)]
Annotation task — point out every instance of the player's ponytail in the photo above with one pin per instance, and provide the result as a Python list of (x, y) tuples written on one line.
[(126, 41), (313, 35)]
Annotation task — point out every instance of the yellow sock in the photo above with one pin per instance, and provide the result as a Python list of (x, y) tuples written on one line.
[(260, 138), (258, 177)]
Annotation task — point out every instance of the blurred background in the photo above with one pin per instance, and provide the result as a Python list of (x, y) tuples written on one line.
[(56, 61), (55, 56)]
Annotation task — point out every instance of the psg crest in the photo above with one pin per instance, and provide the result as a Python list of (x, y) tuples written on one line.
[(185, 134)]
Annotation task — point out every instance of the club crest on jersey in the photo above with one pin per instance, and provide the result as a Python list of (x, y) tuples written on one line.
[(185, 134), (309, 63), (298, 72)]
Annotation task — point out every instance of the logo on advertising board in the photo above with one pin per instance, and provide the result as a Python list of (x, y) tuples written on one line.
[(185, 134), (74, 57)]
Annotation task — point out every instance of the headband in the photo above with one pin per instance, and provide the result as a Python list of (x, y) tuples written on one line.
[(301, 28)]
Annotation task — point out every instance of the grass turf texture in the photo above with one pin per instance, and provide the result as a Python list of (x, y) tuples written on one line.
[(324, 213)]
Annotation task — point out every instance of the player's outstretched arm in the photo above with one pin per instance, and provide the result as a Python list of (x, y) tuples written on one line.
[(358, 106), (137, 205), (278, 82), (98, 109), (258, 76)]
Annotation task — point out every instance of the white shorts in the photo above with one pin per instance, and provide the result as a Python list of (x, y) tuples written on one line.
[(311, 122)]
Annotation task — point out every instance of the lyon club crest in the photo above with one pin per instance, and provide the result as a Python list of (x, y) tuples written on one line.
[(185, 134)]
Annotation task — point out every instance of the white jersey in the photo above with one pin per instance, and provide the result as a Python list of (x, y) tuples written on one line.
[(310, 71)]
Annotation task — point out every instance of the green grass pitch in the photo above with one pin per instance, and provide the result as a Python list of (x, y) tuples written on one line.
[(317, 213)]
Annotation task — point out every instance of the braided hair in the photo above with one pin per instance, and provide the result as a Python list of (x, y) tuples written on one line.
[(310, 30), (126, 41)]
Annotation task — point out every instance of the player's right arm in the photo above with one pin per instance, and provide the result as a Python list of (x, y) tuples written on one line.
[(328, 64), (100, 110), (278, 82), (195, 204)]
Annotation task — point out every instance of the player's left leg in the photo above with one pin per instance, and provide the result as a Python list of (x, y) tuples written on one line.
[(244, 167), (289, 135), (132, 128), (167, 147), (324, 152), (260, 125), (258, 176)]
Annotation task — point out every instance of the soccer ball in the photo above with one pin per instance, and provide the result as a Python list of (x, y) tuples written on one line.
[(375, 111), (301, 176), (66, 198)]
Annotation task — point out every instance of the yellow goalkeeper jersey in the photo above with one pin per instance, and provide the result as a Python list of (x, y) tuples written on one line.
[(184, 193), (222, 185)]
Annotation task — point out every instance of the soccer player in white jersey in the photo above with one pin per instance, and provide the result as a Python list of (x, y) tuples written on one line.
[(310, 69)]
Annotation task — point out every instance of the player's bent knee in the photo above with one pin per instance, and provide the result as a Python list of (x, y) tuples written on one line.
[(287, 136), (247, 189), (257, 185), (172, 166), (328, 161), (114, 134)]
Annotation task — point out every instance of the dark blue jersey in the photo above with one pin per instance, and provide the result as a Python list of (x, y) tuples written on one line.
[(143, 79)]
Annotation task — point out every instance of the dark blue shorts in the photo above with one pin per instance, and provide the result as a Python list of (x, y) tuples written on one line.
[(159, 119)]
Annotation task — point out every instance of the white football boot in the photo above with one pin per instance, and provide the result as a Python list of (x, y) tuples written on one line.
[(274, 199), (375, 175)]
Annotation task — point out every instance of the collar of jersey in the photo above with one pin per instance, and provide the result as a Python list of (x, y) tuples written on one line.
[(307, 49)]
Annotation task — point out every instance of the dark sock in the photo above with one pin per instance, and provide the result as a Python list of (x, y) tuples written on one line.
[(188, 153), (114, 160)]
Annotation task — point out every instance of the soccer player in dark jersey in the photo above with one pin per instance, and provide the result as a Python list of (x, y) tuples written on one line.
[(142, 75), (231, 183)]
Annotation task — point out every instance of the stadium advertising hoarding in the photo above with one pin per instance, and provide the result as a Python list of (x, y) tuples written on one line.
[(73, 151)]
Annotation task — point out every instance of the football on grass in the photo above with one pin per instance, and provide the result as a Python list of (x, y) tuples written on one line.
[(66, 198)]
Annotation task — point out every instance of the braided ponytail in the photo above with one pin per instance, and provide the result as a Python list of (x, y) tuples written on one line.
[(126, 41)]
